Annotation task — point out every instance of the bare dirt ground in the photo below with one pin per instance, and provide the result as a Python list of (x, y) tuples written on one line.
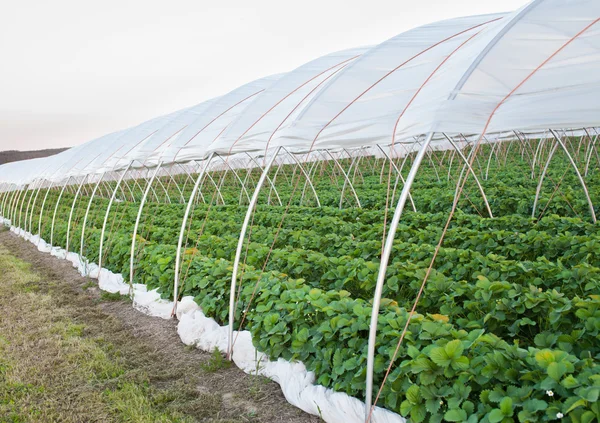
[(71, 353)]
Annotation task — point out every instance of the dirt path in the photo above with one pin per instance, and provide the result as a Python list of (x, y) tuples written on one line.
[(44, 297)]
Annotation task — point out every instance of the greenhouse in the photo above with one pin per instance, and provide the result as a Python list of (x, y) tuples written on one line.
[(414, 222)]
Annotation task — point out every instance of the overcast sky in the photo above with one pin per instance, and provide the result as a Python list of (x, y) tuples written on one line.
[(73, 70)]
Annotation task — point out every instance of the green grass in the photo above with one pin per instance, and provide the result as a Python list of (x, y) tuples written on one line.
[(50, 371), (216, 362), (113, 296)]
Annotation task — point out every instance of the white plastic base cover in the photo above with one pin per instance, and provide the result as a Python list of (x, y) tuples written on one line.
[(194, 328)]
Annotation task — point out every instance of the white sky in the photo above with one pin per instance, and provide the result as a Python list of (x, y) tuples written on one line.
[(73, 70)]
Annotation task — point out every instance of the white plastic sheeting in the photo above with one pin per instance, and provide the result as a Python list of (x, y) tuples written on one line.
[(530, 70), (194, 328), (362, 103), (533, 70)]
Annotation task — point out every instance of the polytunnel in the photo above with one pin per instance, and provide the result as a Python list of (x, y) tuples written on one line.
[(278, 210)]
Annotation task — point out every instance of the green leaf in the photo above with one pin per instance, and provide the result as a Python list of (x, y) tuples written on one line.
[(302, 335), (495, 396), (454, 349), (405, 408), (418, 413), (439, 356), (468, 406), (455, 415), (433, 405), (588, 417), (534, 405), (570, 382), (413, 394), (544, 358), (556, 370), (576, 404), (506, 406), (461, 363), (591, 394), (495, 416)]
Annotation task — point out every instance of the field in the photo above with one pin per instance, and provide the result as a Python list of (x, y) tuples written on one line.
[(508, 325)]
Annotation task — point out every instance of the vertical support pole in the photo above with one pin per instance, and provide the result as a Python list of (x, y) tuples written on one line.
[(3, 198), (29, 226), (19, 199), (462, 156), (538, 153), (72, 209), (385, 256), (542, 176), (182, 232), (106, 214), (8, 201), (137, 223), (55, 211), (15, 206), (399, 175), (487, 168), (353, 162), (85, 217), (42, 210), (306, 176), (268, 179), (217, 188), (31, 187), (11, 201), (339, 166), (311, 171), (589, 155), (237, 176), (581, 180), (238, 252)]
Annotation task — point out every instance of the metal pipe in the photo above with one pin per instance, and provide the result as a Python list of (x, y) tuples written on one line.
[(345, 177), (137, 223), (238, 252), (353, 161), (42, 210), (31, 188), (33, 208), (182, 232), (542, 176), (389, 243), (312, 187), (581, 180), (15, 213), (71, 212), (106, 214), (5, 195), (487, 169), (85, 217), (13, 207), (55, 210), (589, 156), (268, 179), (462, 156), (395, 167)]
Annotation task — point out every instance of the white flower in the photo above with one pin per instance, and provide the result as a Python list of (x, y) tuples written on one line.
[(559, 415), (550, 393)]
